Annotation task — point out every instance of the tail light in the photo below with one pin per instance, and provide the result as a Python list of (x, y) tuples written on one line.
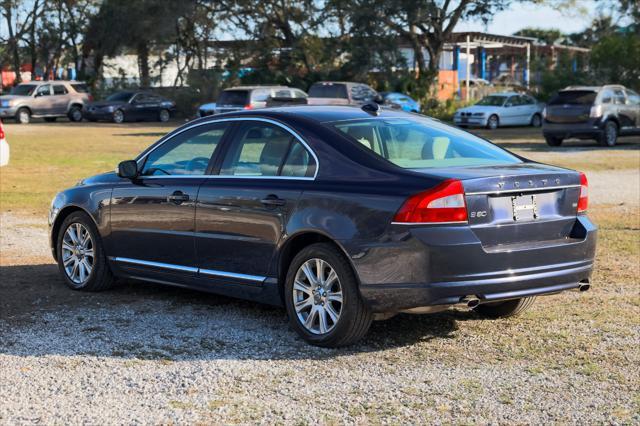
[(596, 111), (90, 98), (248, 106), (583, 201), (443, 204), (1, 130)]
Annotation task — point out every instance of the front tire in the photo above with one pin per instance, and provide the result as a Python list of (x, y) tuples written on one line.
[(609, 136), (322, 298), (81, 258), (493, 122), (508, 308), (23, 116)]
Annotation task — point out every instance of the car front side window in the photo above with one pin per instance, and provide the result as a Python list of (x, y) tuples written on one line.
[(44, 90), (261, 149), (188, 153)]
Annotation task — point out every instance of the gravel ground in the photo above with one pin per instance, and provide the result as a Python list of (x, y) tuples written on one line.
[(147, 354)]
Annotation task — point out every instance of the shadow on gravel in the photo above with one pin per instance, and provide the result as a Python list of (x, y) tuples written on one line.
[(40, 316)]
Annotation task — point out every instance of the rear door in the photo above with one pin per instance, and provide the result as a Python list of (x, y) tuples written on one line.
[(242, 212), (60, 100), (152, 217), (626, 111)]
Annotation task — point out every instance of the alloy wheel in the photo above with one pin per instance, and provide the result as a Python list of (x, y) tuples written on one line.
[(317, 296), (611, 133), (23, 116), (493, 122), (164, 116), (77, 253), (76, 115), (118, 116)]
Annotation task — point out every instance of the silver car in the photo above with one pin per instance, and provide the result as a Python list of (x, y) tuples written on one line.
[(501, 109), (46, 99)]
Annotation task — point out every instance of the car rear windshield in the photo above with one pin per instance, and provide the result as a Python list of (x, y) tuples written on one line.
[(120, 97), (23, 89), (416, 143), (234, 97), (574, 97), (492, 100), (80, 88), (328, 91)]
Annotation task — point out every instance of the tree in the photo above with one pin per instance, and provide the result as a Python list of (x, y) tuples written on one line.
[(427, 25), (616, 59)]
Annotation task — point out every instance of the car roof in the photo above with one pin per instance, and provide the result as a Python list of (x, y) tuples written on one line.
[(506, 94), (339, 82), (257, 87), (41, 82), (318, 113), (593, 88)]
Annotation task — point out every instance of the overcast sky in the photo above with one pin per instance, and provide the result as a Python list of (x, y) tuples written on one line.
[(530, 15)]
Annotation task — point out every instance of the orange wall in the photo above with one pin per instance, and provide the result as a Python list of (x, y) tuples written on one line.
[(447, 84)]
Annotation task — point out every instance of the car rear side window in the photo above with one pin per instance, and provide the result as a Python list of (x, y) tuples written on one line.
[(80, 88), (185, 154), (574, 97), (416, 143), (261, 149), (328, 90), (234, 97)]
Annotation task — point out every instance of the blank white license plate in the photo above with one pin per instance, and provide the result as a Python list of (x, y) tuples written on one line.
[(524, 207)]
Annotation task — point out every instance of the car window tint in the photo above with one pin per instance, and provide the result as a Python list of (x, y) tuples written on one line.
[(299, 94), (258, 150), (185, 154), (634, 98), (299, 162), (328, 90), (415, 143), (80, 88), (59, 89), (618, 97), (574, 97), (261, 95), (234, 97), (44, 90)]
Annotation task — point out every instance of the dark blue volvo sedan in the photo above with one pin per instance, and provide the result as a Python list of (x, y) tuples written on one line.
[(340, 214)]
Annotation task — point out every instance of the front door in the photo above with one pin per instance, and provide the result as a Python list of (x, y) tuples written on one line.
[(152, 217), (241, 214), (42, 102)]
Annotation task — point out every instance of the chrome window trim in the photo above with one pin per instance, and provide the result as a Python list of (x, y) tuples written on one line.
[(222, 120), (509, 191), (208, 272)]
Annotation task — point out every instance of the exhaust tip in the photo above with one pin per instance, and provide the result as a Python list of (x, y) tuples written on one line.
[(472, 303), (584, 287)]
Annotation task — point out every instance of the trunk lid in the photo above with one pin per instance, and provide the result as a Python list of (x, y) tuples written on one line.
[(521, 203)]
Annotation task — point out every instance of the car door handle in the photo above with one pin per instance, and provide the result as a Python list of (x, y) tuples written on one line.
[(178, 197), (273, 200)]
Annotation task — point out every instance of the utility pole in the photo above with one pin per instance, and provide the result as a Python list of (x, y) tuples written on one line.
[(468, 67)]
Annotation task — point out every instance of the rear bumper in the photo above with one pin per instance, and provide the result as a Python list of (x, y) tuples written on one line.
[(441, 265), (590, 129)]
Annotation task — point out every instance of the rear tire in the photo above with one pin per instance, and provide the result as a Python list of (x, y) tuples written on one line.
[(118, 116), (493, 122), (553, 141), (536, 120), (23, 116), (83, 251), (508, 308), (353, 317), (609, 136), (75, 114), (164, 116)]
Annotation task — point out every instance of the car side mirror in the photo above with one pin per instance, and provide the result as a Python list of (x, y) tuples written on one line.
[(128, 169), (378, 99)]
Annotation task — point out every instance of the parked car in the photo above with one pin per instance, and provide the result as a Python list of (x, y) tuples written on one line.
[(45, 99), (499, 110), (342, 93), (131, 106), (602, 113), (400, 101), (4, 147), (337, 213), (244, 97), (285, 97)]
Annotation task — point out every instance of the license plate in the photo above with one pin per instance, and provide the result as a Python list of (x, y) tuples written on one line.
[(524, 207)]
